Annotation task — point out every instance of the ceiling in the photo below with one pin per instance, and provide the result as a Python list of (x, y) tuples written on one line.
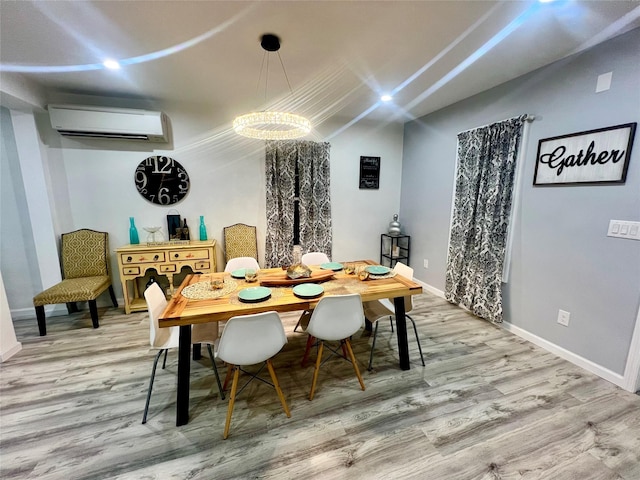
[(339, 56)]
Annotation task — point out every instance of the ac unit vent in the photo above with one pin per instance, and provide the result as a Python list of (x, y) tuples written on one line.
[(104, 122)]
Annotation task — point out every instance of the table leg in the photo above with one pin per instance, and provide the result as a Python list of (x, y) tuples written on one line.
[(401, 332), (197, 351), (184, 371)]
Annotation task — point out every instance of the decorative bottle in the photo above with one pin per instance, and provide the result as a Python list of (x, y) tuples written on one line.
[(133, 232), (185, 231), (203, 229), (394, 226)]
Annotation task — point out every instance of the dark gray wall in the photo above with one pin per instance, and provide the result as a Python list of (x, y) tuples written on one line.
[(561, 258)]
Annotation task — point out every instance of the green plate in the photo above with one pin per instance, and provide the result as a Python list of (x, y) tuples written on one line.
[(238, 273), (377, 270), (335, 266), (254, 294), (308, 290)]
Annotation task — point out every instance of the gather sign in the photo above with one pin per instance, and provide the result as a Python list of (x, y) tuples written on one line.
[(594, 156)]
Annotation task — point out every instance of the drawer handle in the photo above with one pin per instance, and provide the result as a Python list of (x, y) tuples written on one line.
[(129, 259), (156, 257), (176, 255)]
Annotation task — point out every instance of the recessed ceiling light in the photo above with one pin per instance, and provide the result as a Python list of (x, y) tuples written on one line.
[(386, 98), (111, 64)]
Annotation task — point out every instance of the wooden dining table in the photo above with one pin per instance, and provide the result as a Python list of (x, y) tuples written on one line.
[(196, 301)]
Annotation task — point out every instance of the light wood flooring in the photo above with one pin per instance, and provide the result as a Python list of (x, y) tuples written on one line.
[(488, 405)]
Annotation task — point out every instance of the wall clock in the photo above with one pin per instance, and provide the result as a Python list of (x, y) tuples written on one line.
[(162, 180)]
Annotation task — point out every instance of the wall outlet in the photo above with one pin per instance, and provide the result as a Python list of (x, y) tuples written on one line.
[(426, 263), (563, 318)]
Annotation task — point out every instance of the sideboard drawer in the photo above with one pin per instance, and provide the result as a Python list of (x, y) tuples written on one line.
[(131, 270), (168, 268), (185, 255), (142, 257), (202, 265)]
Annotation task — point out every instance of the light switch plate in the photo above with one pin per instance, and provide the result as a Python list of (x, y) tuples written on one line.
[(624, 229)]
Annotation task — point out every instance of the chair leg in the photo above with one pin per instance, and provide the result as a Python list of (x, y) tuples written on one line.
[(215, 370), (113, 296), (227, 377), (93, 308), (391, 322), (305, 357), (295, 329), (164, 362), (317, 369), (232, 400), (274, 379), (415, 330), (72, 307), (353, 361), (42, 321), (373, 345), (153, 375)]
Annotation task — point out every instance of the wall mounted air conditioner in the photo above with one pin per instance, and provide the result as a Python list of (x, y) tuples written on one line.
[(104, 122)]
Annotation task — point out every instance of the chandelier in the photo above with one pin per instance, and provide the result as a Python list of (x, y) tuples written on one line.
[(269, 125)]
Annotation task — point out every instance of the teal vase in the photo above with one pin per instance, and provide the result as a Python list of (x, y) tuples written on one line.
[(133, 232), (203, 229)]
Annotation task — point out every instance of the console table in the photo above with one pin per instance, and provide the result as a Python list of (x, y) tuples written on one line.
[(169, 259)]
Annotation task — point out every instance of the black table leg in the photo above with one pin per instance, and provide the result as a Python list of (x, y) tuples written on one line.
[(184, 371), (197, 351), (401, 332)]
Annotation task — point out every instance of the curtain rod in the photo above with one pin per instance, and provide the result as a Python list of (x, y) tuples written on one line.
[(524, 117)]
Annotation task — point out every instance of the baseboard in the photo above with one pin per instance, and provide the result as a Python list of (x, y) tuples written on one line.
[(582, 362), (4, 356)]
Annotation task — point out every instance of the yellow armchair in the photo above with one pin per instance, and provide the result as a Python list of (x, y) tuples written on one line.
[(85, 273)]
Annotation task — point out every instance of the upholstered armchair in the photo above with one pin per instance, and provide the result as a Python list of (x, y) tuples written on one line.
[(240, 241), (85, 273)]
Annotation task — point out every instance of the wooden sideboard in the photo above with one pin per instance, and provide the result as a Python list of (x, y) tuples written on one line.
[(135, 260)]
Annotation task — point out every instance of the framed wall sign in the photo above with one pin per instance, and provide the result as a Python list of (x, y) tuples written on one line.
[(591, 157), (369, 172)]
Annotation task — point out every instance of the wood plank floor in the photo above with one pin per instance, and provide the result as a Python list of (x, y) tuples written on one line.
[(488, 405)]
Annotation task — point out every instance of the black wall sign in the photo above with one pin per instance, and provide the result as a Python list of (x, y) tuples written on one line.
[(369, 172)]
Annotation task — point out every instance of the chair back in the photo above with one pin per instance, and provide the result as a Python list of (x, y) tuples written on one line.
[(241, 262), (240, 240), (156, 303), (407, 272), (315, 258), (85, 253), (336, 317), (251, 339)]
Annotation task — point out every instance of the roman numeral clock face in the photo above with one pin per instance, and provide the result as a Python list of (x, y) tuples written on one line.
[(162, 180)]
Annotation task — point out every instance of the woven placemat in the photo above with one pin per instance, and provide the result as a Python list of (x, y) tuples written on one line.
[(203, 290)]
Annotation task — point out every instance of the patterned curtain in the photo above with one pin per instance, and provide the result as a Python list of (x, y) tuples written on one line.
[(481, 211), (312, 159)]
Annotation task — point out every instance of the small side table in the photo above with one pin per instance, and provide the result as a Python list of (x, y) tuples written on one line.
[(394, 249)]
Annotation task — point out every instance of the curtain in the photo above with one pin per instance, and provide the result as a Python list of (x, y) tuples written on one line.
[(482, 206), (312, 161)]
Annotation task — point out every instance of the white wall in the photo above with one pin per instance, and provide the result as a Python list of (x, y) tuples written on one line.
[(562, 258), (92, 184)]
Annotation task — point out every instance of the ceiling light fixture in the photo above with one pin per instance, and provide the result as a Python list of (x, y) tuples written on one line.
[(269, 125), (386, 98), (111, 64)]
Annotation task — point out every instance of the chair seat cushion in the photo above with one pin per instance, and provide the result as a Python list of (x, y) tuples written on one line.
[(73, 290)]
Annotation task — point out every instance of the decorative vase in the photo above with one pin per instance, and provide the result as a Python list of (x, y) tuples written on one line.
[(203, 229), (133, 232), (298, 269), (394, 226)]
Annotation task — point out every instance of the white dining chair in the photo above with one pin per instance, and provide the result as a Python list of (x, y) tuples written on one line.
[(311, 258), (336, 319), (379, 309), (249, 340), (241, 262), (165, 338), (315, 258)]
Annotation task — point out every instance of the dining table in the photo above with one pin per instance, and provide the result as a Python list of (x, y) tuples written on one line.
[(215, 297)]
